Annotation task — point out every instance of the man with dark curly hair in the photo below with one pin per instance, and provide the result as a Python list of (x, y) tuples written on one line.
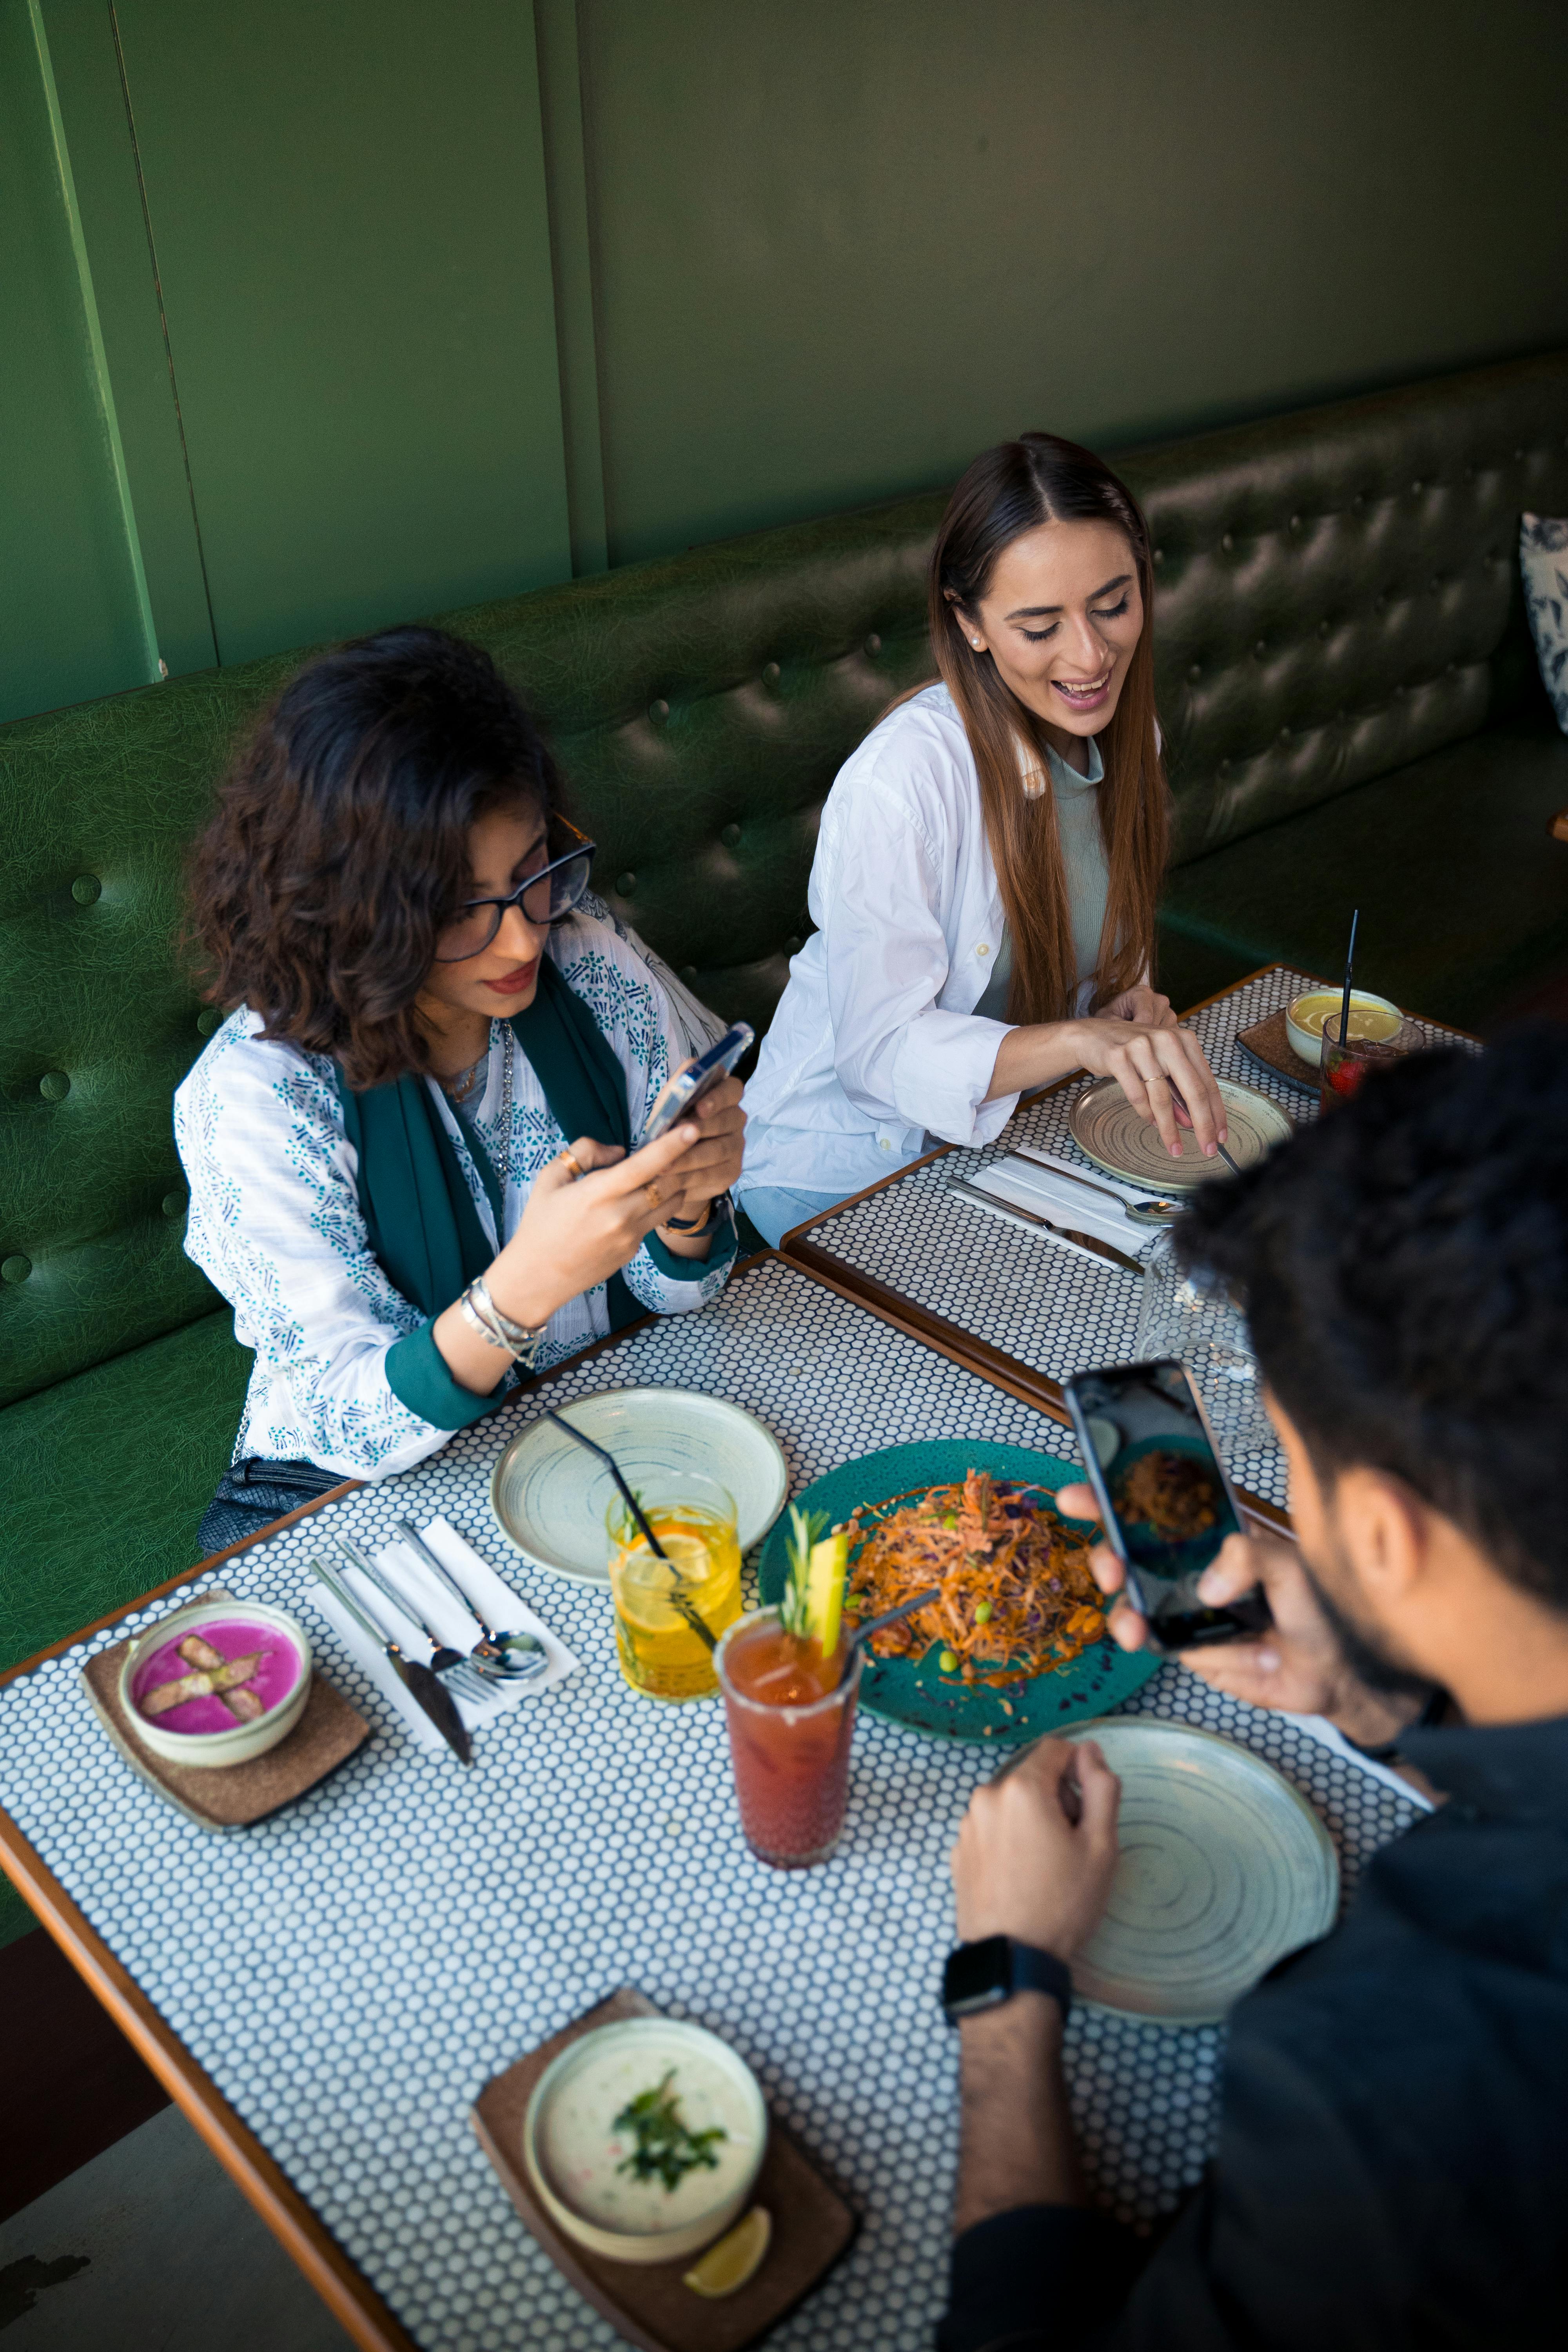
[(1393, 2161)]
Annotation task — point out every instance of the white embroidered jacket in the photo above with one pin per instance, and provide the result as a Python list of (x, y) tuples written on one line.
[(275, 1219)]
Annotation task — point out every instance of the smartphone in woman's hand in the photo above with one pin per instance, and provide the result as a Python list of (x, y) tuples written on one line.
[(680, 1095)]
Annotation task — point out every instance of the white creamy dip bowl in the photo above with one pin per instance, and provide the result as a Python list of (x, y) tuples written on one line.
[(572, 2153)]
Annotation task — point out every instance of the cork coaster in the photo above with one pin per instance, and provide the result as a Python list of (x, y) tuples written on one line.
[(1269, 1042), (649, 2303), (236, 1796)]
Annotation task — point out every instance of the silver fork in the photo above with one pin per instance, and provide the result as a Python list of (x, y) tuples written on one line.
[(450, 1668)]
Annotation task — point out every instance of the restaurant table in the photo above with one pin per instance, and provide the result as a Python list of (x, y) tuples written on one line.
[(1012, 1303), (325, 1993)]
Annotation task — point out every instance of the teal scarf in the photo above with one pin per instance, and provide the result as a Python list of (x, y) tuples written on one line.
[(420, 1213)]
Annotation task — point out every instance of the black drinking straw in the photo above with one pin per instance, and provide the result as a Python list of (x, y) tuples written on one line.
[(1349, 967), (686, 1608)]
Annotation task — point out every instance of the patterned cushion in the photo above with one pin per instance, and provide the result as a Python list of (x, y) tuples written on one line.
[(1543, 560)]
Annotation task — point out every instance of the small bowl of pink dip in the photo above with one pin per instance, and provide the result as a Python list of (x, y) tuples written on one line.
[(216, 1683)]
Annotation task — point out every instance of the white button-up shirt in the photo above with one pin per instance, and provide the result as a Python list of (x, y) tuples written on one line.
[(876, 1051)]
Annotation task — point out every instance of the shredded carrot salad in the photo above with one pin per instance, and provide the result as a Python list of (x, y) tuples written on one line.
[(1016, 1597)]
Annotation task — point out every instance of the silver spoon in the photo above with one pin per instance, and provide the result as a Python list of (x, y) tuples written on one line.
[(509, 1657)]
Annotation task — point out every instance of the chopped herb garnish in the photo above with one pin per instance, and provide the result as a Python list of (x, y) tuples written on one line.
[(665, 2149)]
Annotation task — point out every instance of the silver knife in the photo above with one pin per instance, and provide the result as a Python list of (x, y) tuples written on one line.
[(1063, 1233), (419, 1681)]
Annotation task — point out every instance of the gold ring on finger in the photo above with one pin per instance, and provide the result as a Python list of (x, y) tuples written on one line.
[(569, 1160), (654, 1194)]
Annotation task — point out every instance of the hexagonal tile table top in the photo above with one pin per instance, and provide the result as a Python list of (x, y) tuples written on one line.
[(350, 1973)]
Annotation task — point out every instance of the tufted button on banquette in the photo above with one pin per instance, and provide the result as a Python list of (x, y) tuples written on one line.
[(1194, 671), (1284, 734), (16, 1268), (873, 645), (54, 1086), (1416, 488), (792, 946), (1519, 457), (86, 889), (1159, 555), (173, 1204), (208, 1020), (1325, 628), (1224, 767), (1295, 522), (1380, 604), (689, 974), (771, 673), (1260, 650), (658, 711), (730, 834), (1227, 541), (625, 884)]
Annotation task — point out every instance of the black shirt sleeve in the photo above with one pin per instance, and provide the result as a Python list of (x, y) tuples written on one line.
[(1041, 2278)]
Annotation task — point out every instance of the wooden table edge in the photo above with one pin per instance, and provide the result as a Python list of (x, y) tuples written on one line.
[(336, 2279)]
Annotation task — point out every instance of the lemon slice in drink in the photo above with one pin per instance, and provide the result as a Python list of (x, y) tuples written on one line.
[(737, 2257)]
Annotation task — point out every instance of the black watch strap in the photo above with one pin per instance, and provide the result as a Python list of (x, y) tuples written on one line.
[(983, 1975)]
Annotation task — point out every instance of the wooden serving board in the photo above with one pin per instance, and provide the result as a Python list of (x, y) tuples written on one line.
[(236, 1796), (649, 2303), (1269, 1042)]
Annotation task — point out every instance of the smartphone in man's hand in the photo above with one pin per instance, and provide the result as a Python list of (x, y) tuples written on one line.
[(1166, 1503)]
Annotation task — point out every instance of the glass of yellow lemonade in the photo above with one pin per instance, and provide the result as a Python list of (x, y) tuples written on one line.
[(660, 1650)]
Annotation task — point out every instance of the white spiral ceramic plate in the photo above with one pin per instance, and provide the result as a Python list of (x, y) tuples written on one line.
[(1105, 1125), (1223, 1870), (549, 1496)]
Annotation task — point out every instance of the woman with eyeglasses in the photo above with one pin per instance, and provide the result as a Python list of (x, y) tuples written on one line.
[(409, 1146)]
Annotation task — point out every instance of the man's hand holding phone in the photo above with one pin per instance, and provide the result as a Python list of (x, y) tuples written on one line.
[(1296, 1665)]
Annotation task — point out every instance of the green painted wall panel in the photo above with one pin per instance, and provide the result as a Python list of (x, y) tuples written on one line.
[(839, 249), (103, 161), (73, 617), (347, 207)]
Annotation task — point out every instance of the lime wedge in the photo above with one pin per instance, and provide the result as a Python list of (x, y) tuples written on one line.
[(736, 2258), (824, 1590)]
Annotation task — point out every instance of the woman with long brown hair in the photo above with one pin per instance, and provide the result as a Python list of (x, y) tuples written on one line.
[(990, 858), (411, 1146)]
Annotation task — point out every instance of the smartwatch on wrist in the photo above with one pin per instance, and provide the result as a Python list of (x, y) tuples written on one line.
[(983, 1976)]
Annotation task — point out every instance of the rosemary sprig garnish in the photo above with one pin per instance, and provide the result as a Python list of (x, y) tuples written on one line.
[(666, 2150)]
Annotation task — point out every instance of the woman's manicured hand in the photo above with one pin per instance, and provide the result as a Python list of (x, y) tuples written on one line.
[(1146, 1059), (1036, 1850), (713, 1163), (576, 1232)]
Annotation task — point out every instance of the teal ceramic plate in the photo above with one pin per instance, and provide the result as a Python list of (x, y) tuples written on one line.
[(919, 1694)]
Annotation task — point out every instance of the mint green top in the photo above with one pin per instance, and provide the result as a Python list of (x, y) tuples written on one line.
[(1088, 876)]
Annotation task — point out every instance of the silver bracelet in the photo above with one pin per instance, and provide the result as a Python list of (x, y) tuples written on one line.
[(518, 1340)]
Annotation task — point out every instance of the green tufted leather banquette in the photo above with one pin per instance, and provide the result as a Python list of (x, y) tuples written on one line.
[(1352, 715)]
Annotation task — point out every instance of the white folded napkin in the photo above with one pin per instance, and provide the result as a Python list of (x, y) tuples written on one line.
[(1050, 1192), (496, 1603)]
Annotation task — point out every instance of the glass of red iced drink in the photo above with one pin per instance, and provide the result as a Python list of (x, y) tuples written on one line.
[(791, 1713)]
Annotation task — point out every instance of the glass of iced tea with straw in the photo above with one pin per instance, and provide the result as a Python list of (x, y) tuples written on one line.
[(661, 1652), (792, 1717)]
